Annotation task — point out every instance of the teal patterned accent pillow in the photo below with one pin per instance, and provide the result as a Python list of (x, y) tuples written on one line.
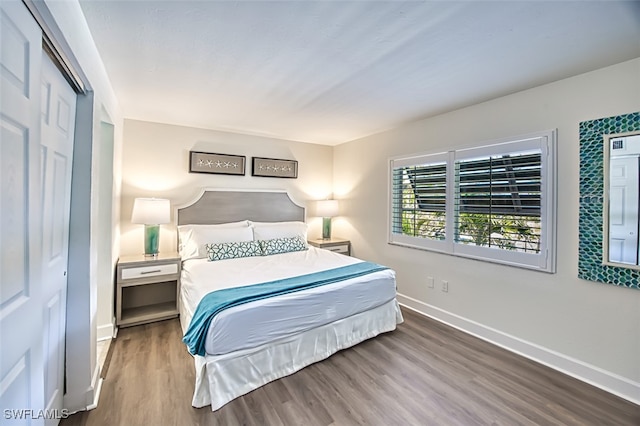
[(221, 251), (282, 245)]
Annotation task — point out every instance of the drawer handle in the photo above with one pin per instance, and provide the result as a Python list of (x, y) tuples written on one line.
[(150, 272)]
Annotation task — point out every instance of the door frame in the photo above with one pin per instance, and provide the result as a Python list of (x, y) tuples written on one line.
[(81, 372)]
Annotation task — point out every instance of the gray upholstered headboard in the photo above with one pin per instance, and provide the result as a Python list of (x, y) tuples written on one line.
[(217, 206)]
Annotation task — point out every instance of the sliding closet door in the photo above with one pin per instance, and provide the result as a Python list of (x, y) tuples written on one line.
[(58, 107), (21, 313), (37, 116)]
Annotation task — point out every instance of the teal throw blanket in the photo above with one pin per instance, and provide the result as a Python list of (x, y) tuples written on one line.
[(219, 300)]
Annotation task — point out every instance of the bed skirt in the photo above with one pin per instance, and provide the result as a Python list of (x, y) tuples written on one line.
[(222, 378)]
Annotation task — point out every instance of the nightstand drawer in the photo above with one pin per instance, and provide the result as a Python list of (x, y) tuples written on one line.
[(336, 245), (342, 248), (149, 271)]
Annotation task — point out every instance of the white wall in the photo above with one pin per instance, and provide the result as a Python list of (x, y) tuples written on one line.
[(82, 307), (105, 236), (588, 329), (156, 162)]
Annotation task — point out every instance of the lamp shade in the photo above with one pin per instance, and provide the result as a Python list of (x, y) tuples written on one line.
[(327, 208), (150, 211)]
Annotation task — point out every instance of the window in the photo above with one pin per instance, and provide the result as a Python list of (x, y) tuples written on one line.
[(495, 202)]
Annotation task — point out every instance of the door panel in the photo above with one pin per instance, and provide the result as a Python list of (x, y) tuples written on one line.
[(21, 306), (16, 52), (53, 355), (16, 385), (60, 178), (13, 213), (57, 129)]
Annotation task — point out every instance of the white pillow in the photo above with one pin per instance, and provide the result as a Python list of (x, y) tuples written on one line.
[(271, 230), (193, 238)]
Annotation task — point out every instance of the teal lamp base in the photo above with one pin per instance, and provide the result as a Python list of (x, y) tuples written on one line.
[(326, 228), (151, 240)]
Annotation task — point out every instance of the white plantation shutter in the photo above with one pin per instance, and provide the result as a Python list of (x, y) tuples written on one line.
[(418, 201), (494, 202), (498, 190)]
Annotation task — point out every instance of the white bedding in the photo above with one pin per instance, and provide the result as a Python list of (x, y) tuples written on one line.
[(222, 378), (260, 322)]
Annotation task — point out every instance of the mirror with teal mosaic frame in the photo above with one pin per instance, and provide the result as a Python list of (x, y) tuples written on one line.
[(621, 242), (592, 265)]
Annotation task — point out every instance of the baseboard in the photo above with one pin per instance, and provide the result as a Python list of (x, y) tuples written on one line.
[(96, 395), (580, 370), (106, 331), (89, 399), (94, 392)]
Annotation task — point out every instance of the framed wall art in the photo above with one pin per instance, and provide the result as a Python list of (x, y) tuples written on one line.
[(271, 167), (221, 164)]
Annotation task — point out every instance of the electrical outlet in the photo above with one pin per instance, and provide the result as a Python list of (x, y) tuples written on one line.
[(430, 282), (445, 286)]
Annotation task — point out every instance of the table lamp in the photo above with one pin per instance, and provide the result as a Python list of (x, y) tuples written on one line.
[(327, 209), (151, 212)]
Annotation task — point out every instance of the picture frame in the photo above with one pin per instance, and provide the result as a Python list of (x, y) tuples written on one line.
[(273, 167), (220, 164)]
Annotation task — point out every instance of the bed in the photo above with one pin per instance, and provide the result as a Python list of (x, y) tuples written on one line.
[(250, 344)]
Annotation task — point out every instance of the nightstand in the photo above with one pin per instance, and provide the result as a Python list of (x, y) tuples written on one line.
[(338, 245), (147, 289)]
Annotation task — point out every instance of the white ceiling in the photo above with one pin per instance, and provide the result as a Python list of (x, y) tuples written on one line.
[(332, 71)]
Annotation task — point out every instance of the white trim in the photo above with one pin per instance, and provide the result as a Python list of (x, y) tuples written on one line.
[(56, 42), (106, 332), (596, 376), (93, 393), (421, 160), (96, 398), (520, 144), (537, 262)]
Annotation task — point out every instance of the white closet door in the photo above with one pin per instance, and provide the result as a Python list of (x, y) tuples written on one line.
[(58, 108), (21, 302), (623, 210), (36, 150)]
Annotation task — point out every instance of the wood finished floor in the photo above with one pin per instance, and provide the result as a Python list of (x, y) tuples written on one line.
[(424, 373)]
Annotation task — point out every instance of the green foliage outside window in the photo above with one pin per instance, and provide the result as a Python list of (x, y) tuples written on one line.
[(507, 232)]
